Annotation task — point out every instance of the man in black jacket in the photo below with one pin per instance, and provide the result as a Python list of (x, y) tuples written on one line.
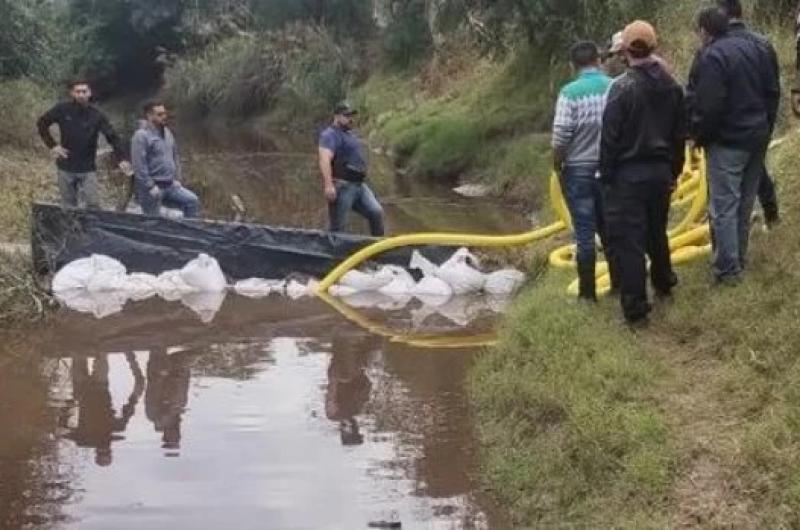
[(736, 26), (736, 90), (80, 124), (642, 154)]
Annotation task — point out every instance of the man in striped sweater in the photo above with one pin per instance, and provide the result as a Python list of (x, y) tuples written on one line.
[(576, 150)]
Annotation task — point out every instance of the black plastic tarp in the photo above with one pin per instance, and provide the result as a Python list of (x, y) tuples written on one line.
[(155, 244)]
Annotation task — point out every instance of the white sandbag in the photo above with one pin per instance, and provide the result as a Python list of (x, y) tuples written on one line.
[(101, 305), (365, 281), (402, 283), (140, 286), (432, 286), (506, 281), (341, 291), (422, 264), (204, 274), (259, 288), (296, 290), (171, 286), (367, 299), (103, 281), (79, 273), (205, 304), (433, 300), (460, 273)]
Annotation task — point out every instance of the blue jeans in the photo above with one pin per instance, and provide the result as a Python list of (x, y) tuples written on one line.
[(734, 176), (584, 195), (359, 198), (171, 197)]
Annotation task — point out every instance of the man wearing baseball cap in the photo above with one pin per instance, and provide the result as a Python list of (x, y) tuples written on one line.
[(343, 165), (614, 60), (641, 156)]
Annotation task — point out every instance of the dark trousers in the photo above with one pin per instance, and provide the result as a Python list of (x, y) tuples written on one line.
[(768, 198), (637, 210)]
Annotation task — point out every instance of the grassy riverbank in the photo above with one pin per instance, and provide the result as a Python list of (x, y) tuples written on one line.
[(26, 175), (692, 422)]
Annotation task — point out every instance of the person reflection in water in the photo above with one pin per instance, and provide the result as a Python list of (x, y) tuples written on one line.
[(167, 395), (348, 386), (98, 425)]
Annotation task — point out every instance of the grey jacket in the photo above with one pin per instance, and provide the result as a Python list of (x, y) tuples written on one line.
[(155, 158)]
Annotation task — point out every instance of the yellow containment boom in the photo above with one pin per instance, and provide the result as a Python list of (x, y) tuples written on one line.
[(688, 240)]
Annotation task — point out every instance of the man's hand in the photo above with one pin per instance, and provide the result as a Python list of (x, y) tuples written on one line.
[(59, 153), (796, 102), (126, 168), (330, 193), (155, 192), (177, 185)]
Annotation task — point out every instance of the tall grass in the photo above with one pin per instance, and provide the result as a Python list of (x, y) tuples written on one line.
[(299, 67)]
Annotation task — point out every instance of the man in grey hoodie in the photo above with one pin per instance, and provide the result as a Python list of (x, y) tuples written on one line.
[(157, 166)]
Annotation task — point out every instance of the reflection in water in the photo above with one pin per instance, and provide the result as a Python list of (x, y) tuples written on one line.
[(348, 384), (98, 426), (167, 396), (285, 416)]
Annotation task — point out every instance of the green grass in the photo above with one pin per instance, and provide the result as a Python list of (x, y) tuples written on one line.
[(480, 125), (565, 407), (694, 422)]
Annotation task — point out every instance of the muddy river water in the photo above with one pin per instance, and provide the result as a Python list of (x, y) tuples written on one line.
[(268, 414)]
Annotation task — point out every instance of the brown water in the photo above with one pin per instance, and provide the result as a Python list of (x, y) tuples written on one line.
[(271, 414)]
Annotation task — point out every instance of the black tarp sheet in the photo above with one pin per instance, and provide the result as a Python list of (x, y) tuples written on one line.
[(155, 244)]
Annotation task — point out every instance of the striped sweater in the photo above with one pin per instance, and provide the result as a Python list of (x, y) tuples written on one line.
[(579, 117)]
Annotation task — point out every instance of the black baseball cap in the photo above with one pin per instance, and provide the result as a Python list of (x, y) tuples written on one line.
[(345, 109)]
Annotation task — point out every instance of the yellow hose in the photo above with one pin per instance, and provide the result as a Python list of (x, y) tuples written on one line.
[(438, 341), (691, 184), (448, 239)]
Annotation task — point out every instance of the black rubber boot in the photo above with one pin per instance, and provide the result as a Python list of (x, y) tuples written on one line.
[(587, 289)]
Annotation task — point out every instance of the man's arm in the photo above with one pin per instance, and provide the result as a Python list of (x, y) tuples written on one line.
[(139, 161), (709, 99), (613, 127), (564, 125), (43, 124), (113, 139), (326, 170), (328, 144)]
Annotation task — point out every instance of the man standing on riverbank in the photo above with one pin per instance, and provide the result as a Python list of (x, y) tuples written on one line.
[(344, 171), (736, 26), (736, 94), (642, 154), (80, 124), (576, 151), (157, 165)]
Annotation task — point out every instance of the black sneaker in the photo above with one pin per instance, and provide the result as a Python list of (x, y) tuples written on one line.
[(733, 280), (638, 323)]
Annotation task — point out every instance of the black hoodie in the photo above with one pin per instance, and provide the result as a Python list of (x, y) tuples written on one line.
[(644, 121)]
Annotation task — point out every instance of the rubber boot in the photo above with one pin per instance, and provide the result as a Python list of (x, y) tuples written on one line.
[(587, 289)]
